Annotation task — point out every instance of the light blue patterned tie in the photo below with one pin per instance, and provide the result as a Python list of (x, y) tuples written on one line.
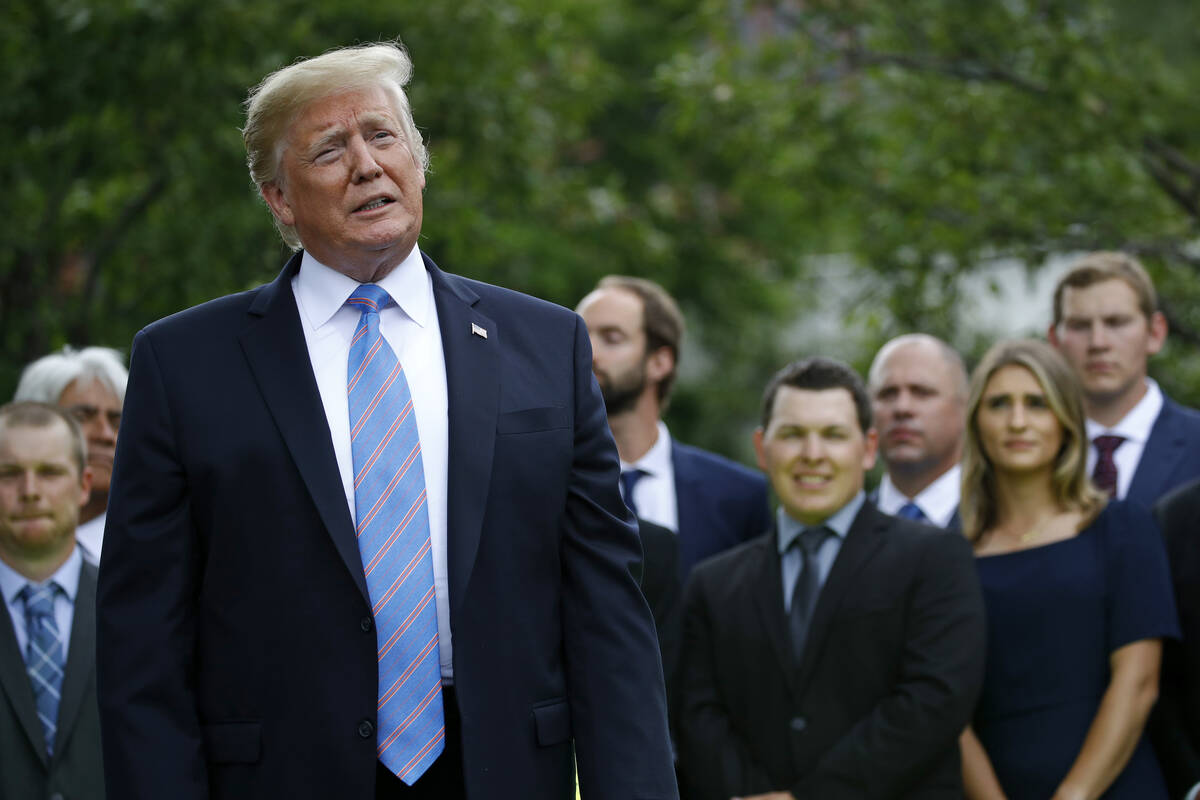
[(43, 655), (393, 540)]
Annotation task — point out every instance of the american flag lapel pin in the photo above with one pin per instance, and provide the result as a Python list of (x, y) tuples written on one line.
[(478, 331)]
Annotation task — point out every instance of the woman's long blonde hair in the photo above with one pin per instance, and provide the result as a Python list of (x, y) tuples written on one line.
[(1073, 488)]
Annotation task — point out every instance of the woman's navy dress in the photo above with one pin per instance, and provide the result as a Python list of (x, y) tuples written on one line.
[(1055, 614)]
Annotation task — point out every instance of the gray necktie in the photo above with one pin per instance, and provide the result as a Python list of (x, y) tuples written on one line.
[(808, 585)]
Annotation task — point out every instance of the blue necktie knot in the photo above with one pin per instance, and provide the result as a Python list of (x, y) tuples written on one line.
[(911, 510), (370, 298)]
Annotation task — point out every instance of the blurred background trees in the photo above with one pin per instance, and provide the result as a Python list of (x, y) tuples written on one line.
[(804, 175)]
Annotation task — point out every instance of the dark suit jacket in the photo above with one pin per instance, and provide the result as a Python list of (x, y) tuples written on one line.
[(237, 654), (889, 678), (721, 504), (75, 772), (1175, 724), (1171, 456), (664, 594)]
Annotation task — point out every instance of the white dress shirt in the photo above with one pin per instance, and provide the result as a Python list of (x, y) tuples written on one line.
[(67, 577), (1135, 427), (654, 493), (938, 501), (411, 329), (90, 536)]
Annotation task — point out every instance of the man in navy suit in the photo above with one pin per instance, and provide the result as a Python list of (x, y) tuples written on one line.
[(918, 387), (1107, 324), (713, 503), (258, 635)]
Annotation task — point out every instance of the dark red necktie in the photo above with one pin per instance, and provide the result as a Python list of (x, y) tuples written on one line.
[(1105, 474)]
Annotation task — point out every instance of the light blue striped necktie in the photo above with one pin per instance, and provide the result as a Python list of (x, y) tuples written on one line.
[(43, 655), (393, 540)]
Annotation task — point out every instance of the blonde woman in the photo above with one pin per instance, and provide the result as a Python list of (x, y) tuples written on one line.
[(1077, 593)]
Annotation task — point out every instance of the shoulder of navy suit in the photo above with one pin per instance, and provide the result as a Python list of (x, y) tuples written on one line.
[(695, 464)]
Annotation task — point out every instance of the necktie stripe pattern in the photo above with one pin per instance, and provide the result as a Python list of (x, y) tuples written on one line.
[(393, 541), (43, 655)]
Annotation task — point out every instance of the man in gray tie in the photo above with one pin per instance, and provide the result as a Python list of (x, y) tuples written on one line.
[(49, 721), (918, 386), (840, 655)]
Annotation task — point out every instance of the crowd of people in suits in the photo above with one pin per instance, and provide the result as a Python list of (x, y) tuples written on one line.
[(1011, 613)]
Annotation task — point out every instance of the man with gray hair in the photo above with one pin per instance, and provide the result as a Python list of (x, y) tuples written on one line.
[(918, 387), (365, 537), (90, 384)]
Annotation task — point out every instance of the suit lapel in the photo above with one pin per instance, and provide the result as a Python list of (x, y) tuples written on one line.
[(14, 682), (81, 656), (768, 600), (862, 542), (278, 356), (687, 509), (470, 343), (1163, 449)]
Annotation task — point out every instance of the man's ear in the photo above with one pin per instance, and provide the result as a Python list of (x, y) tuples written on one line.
[(1052, 334), (1157, 325), (276, 199), (660, 364), (85, 486), (759, 450)]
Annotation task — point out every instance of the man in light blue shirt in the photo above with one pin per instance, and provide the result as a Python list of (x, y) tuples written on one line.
[(49, 722), (840, 655)]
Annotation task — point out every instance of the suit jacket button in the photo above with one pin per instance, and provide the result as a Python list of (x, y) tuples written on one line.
[(366, 624), (365, 729), (57, 796), (799, 724)]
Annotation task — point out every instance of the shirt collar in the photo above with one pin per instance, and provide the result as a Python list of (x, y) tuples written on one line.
[(324, 291), (839, 523), (937, 501), (658, 458), (67, 577), (1137, 424)]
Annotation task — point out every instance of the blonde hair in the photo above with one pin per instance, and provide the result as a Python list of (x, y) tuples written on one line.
[(1072, 486), (1108, 265), (276, 102)]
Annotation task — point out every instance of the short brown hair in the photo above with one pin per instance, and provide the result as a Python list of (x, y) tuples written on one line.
[(1103, 266), (662, 321), (29, 414), (818, 374)]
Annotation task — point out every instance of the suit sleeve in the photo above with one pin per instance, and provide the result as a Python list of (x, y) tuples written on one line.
[(1179, 753), (717, 763), (614, 674), (934, 695), (146, 604)]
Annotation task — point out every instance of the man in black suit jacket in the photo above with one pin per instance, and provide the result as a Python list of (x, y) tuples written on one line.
[(845, 667), (1107, 325), (44, 481), (241, 652), (1175, 724)]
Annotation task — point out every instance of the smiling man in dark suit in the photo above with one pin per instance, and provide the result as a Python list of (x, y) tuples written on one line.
[(839, 656), (365, 538)]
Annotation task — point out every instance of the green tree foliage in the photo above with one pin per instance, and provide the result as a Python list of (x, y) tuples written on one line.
[(725, 148)]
